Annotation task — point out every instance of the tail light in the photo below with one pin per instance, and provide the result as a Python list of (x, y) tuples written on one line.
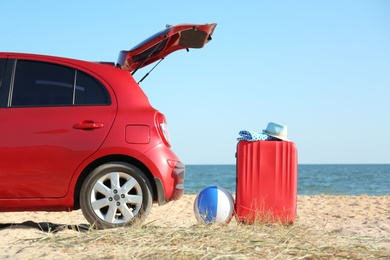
[(163, 128)]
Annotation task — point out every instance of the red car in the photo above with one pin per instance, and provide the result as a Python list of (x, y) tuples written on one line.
[(77, 134)]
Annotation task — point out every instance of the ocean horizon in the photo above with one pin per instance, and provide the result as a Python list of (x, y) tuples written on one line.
[(313, 179)]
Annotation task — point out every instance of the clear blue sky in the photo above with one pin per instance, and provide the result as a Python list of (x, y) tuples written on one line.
[(320, 67)]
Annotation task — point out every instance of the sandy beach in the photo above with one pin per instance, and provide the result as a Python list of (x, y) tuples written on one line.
[(346, 216)]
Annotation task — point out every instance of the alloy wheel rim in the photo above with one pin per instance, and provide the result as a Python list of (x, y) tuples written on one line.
[(116, 197)]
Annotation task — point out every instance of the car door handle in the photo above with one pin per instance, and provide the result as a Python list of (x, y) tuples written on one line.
[(88, 125)]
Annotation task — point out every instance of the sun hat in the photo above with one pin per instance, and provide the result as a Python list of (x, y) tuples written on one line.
[(277, 131)]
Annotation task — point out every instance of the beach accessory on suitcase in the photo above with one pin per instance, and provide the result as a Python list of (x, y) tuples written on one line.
[(277, 131), (252, 136), (274, 131)]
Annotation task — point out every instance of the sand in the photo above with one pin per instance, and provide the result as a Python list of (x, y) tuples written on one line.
[(367, 216)]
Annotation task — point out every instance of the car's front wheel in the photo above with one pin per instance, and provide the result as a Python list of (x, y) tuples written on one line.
[(115, 194)]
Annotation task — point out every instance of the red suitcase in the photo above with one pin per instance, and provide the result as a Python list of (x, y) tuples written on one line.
[(267, 179)]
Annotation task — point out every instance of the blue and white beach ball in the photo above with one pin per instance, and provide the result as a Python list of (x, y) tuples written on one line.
[(213, 204)]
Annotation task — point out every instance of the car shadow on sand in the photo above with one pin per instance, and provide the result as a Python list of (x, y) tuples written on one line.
[(46, 226)]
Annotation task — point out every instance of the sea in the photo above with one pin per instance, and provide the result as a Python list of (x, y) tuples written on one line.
[(313, 179)]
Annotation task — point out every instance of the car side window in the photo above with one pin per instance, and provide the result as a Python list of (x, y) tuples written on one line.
[(2, 70), (3, 89), (90, 91), (42, 84), (46, 84)]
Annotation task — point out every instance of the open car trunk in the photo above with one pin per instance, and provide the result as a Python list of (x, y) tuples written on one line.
[(159, 45)]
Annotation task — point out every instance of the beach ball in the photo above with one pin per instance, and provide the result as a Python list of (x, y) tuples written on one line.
[(213, 204)]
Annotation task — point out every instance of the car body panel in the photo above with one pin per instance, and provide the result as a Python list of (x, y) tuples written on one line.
[(42, 151)]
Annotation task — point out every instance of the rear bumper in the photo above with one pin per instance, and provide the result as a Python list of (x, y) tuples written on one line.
[(178, 170), (168, 173), (178, 189)]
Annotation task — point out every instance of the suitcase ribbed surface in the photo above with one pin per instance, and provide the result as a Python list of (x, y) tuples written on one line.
[(266, 181)]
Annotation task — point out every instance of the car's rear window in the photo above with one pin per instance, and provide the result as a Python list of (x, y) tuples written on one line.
[(46, 84)]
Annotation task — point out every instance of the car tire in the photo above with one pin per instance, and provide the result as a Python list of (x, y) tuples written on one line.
[(114, 195)]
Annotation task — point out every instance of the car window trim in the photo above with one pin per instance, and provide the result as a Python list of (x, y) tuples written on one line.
[(74, 87), (11, 83)]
